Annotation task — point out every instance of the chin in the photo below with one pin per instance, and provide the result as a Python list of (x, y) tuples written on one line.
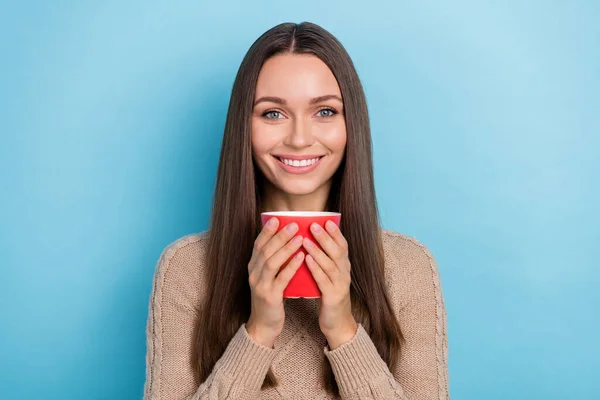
[(299, 189)]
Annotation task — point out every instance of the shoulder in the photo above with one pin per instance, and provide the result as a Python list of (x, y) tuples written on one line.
[(410, 268), (401, 247), (180, 270), (187, 246)]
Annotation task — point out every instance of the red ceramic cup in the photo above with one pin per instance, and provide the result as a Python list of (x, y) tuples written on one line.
[(302, 284)]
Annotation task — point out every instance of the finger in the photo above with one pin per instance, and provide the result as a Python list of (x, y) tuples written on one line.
[(331, 248), (334, 231), (274, 263), (287, 273), (274, 243), (322, 259), (317, 272), (336, 234), (279, 240), (263, 237)]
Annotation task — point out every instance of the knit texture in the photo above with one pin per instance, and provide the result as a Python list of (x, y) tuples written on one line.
[(297, 358)]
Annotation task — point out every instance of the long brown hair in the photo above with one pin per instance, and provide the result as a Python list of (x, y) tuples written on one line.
[(238, 196)]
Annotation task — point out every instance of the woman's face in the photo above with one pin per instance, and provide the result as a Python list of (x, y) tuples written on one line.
[(298, 118)]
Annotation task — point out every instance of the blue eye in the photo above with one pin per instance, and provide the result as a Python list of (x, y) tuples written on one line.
[(272, 115), (326, 112)]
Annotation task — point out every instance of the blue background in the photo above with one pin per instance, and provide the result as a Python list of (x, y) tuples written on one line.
[(486, 138)]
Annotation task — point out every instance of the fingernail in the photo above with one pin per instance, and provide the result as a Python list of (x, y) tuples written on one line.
[(315, 227), (308, 243), (291, 228), (297, 240), (299, 255), (272, 222), (330, 226)]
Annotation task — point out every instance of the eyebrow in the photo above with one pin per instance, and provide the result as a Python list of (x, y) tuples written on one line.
[(279, 100)]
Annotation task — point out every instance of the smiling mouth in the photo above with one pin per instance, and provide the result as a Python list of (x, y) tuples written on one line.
[(299, 163)]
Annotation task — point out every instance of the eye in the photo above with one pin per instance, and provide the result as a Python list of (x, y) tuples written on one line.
[(272, 114), (326, 112)]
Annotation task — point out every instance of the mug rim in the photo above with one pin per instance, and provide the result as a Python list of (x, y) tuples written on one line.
[(301, 213)]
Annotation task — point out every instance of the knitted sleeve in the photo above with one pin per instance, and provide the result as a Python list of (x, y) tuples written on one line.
[(422, 372), (176, 295), (240, 372)]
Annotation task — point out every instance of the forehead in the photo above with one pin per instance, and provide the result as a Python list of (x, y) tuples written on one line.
[(296, 77)]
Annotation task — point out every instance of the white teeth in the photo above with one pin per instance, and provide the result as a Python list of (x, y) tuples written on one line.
[(300, 163)]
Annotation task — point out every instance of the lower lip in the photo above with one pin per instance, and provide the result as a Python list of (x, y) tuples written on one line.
[(298, 170)]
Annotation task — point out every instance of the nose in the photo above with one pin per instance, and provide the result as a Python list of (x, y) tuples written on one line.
[(300, 135)]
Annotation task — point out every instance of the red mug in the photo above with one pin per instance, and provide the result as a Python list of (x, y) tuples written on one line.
[(302, 284)]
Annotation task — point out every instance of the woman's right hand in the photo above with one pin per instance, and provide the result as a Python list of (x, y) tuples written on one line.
[(271, 251)]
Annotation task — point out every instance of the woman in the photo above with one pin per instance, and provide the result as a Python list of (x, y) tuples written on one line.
[(218, 325)]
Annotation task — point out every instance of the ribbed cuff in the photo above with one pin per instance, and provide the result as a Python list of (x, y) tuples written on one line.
[(356, 363), (245, 361)]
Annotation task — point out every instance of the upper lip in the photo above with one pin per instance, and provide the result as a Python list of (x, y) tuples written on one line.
[(292, 157)]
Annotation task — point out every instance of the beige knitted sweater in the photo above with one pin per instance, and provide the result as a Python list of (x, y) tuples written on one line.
[(415, 291)]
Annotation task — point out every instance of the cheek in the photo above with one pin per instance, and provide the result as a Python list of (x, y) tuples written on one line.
[(335, 139), (264, 137), (261, 140)]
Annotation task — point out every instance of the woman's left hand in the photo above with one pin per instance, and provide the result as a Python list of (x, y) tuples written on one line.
[(331, 270)]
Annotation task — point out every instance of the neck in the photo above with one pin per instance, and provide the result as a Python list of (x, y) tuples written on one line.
[(275, 199)]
